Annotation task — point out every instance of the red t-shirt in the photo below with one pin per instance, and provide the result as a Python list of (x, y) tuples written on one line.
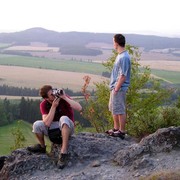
[(63, 109)]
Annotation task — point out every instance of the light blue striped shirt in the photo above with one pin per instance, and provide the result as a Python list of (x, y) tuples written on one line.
[(122, 66)]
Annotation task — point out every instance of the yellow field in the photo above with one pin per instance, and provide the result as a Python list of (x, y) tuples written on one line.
[(33, 48), (162, 64), (35, 78)]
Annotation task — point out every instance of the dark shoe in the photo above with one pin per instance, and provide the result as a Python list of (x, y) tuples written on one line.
[(118, 134), (37, 149), (63, 160), (111, 131)]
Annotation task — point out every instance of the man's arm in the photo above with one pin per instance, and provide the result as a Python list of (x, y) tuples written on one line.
[(120, 81), (75, 105)]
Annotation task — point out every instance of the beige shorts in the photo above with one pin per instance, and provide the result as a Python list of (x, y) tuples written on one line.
[(117, 102), (40, 128)]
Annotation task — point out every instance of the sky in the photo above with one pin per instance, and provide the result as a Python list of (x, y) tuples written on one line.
[(155, 17)]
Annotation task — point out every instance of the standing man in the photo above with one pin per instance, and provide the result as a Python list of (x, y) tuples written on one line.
[(57, 112), (119, 83)]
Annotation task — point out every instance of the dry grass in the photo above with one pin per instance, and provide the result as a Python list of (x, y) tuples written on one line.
[(164, 175), (35, 78), (162, 65), (33, 48)]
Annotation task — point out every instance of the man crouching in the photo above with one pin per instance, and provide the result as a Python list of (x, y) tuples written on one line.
[(57, 112)]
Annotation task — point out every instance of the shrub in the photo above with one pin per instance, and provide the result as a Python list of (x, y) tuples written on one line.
[(168, 116), (19, 138)]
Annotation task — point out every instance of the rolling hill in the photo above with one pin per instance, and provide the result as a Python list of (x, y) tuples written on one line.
[(81, 39)]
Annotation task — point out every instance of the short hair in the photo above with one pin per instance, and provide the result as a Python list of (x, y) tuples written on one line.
[(120, 39), (43, 92)]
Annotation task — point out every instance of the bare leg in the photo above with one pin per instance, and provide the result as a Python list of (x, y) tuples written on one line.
[(65, 138), (116, 121), (122, 121), (40, 138)]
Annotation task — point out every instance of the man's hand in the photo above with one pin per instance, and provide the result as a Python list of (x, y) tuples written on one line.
[(63, 95), (55, 102), (114, 92)]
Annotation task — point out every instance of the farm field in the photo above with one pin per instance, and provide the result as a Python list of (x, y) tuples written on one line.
[(162, 65), (169, 76), (33, 72), (35, 78), (32, 48), (54, 64)]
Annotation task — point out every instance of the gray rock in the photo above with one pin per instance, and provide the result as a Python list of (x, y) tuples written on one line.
[(99, 156), (163, 140)]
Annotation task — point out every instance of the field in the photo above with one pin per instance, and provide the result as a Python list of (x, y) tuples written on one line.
[(162, 65), (169, 76), (32, 48), (6, 136), (35, 78), (33, 72), (54, 64)]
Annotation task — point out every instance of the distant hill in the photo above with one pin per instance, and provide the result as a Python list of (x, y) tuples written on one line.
[(80, 39)]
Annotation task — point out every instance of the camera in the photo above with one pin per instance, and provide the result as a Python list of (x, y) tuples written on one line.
[(57, 92)]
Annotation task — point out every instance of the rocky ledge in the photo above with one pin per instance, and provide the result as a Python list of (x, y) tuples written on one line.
[(99, 156)]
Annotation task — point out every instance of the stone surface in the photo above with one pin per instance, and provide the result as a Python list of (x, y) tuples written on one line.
[(99, 156)]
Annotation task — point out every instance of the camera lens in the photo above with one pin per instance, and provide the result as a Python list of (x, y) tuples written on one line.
[(61, 92)]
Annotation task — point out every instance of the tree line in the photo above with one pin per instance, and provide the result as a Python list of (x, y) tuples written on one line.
[(23, 91), (28, 110)]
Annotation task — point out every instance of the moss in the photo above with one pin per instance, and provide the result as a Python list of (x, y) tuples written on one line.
[(164, 175)]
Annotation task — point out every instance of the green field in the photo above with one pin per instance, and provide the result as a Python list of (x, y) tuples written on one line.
[(172, 76), (45, 63), (7, 139)]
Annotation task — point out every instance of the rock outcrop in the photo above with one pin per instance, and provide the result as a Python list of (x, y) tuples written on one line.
[(99, 156), (163, 140)]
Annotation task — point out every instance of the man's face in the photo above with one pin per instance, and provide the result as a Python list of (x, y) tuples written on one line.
[(51, 97), (115, 44)]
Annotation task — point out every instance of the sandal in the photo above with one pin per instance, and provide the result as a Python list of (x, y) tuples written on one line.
[(118, 134), (111, 131)]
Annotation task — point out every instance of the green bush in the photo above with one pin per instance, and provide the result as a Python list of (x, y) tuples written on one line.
[(19, 138), (168, 116)]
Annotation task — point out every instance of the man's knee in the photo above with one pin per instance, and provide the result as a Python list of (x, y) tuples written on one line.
[(38, 126), (66, 122), (65, 126)]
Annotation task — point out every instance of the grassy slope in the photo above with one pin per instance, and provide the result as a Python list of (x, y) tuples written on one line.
[(7, 140), (172, 76)]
